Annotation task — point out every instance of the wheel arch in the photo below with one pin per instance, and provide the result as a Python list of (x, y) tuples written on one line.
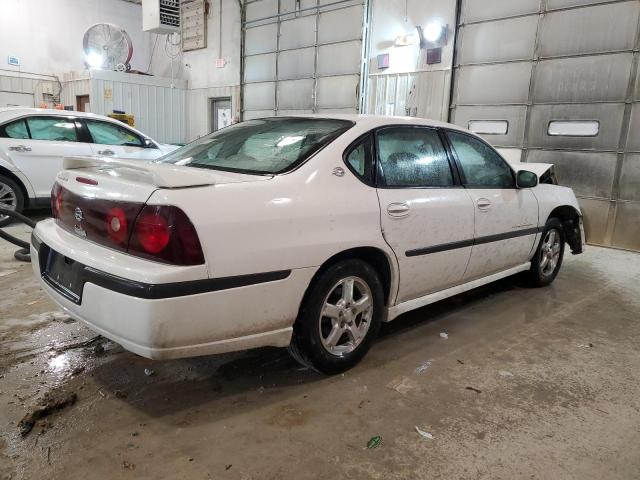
[(380, 260), (9, 174), (569, 216)]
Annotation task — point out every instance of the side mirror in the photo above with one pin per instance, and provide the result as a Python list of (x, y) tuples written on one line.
[(526, 179), (149, 144)]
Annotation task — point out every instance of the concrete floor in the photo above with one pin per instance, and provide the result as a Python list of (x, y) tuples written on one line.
[(541, 383)]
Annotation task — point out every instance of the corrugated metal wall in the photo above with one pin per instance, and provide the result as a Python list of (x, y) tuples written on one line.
[(532, 62), (159, 107), (16, 90), (417, 94), (302, 56), (73, 86), (25, 89)]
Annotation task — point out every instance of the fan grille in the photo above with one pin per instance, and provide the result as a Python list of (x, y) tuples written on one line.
[(108, 43)]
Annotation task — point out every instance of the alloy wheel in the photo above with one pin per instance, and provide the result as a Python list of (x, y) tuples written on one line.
[(550, 252), (346, 316), (8, 199)]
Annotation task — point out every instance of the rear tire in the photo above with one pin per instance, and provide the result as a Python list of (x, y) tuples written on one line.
[(547, 260), (11, 197), (339, 318)]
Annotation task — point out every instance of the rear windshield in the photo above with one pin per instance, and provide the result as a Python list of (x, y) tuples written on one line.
[(264, 146)]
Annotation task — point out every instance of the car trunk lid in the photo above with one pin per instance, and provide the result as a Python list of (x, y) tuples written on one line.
[(102, 199)]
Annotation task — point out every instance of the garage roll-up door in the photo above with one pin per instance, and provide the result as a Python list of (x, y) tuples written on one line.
[(302, 56), (563, 75)]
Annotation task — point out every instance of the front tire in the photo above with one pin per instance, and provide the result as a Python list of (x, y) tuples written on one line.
[(11, 198), (340, 318), (547, 260)]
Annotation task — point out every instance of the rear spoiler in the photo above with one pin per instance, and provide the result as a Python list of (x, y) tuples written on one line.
[(162, 175)]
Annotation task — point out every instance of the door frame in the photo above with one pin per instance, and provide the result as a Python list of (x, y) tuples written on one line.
[(79, 102), (211, 109)]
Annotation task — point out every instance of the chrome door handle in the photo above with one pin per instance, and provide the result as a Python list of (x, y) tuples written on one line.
[(483, 203), (106, 152), (398, 209), (20, 148)]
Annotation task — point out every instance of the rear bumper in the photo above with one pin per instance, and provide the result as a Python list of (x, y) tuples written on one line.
[(179, 318)]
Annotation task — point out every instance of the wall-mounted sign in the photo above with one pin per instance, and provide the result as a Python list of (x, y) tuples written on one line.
[(220, 62), (108, 94), (13, 60), (383, 61), (434, 55), (194, 24)]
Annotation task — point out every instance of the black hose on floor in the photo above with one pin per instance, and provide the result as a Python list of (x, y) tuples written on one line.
[(23, 253)]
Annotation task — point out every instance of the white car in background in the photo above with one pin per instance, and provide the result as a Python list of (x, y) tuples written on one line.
[(34, 141), (306, 232)]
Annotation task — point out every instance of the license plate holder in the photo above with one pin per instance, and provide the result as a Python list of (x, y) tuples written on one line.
[(64, 275)]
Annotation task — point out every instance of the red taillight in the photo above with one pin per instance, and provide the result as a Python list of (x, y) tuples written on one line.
[(152, 232), (117, 225), (164, 233), (158, 232)]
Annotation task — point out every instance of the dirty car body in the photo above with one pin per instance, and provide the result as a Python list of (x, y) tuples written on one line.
[(221, 245)]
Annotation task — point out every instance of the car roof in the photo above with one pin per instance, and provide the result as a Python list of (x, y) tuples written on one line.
[(6, 113), (373, 121)]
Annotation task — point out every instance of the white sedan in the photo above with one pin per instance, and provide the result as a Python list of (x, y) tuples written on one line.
[(306, 232), (34, 142)]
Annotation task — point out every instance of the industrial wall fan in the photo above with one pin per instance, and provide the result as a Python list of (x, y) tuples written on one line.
[(107, 46)]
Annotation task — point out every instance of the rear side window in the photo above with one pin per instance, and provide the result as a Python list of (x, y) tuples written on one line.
[(52, 128), (481, 165), (358, 159), (17, 129), (106, 133), (412, 157)]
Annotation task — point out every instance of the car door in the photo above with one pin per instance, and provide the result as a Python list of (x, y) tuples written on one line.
[(113, 140), (40, 152), (426, 215), (506, 217)]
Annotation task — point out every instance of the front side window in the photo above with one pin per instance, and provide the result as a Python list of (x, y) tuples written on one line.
[(263, 146), (106, 133), (17, 129), (481, 165), (52, 128), (412, 157)]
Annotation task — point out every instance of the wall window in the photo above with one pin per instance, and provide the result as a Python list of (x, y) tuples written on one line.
[(489, 127), (573, 128), (481, 165), (58, 129), (412, 157), (106, 133), (16, 129)]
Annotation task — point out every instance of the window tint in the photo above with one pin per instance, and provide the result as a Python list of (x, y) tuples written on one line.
[(52, 128), (481, 164), (106, 133), (412, 157), (16, 129)]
